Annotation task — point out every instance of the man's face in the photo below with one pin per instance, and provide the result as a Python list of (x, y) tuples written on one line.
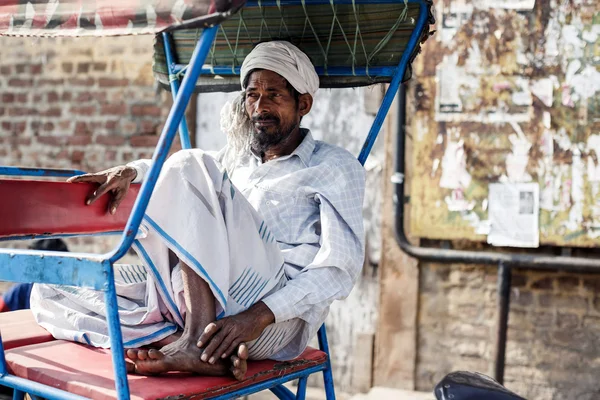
[(271, 106)]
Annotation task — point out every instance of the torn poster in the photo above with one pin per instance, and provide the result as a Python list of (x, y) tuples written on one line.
[(514, 214)]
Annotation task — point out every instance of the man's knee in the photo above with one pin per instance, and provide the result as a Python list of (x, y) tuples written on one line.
[(188, 162), (183, 159)]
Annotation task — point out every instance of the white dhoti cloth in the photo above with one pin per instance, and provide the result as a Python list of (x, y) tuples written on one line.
[(199, 215)]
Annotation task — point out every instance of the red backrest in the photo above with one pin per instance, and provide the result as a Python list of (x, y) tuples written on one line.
[(41, 208)]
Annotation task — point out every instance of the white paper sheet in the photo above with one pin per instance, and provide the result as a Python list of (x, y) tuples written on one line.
[(514, 214)]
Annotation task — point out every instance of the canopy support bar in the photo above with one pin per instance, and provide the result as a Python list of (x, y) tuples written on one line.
[(395, 84), (166, 138), (90, 270), (175, 82), (331, 71)]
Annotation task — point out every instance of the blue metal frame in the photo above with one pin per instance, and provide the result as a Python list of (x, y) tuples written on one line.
[(95, 271), (90, 270), (53, 267), (395, 84), (331, 71), (164, 143), (45, 172), (184, 133), (58, 235)]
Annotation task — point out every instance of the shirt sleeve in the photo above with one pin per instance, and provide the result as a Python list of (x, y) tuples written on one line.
[(141, 167), (336, 266)]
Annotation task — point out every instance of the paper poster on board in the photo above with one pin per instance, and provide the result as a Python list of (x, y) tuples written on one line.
[(514, 214)]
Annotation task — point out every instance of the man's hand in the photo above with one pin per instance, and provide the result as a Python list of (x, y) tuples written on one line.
[(222, 338), (115, 180)]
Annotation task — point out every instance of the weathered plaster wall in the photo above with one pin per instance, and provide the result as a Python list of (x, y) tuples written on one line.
[(477, 114), (509, 92)]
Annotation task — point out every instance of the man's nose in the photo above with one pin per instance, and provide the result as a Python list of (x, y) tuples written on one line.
[(262, 105)]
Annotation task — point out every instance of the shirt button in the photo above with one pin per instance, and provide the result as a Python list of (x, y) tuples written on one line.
[(268, 202)]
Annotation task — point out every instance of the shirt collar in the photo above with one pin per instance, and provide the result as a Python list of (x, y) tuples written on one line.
[(304, 150)]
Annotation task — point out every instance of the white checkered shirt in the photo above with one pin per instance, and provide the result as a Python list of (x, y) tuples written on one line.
[(312, 202)]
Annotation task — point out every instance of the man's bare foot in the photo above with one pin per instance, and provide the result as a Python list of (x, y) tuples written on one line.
[(168, 340), (182, 355), (239, 362)]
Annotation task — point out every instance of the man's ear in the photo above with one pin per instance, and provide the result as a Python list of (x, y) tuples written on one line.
[(305, 102)]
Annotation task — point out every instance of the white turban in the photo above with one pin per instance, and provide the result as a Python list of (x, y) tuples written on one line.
[(285, 59)]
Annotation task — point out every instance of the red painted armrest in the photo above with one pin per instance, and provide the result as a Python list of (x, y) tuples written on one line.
[(42, 208)]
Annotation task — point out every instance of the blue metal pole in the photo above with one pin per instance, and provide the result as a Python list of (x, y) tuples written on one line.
[(59, 268), (184, 133), (2, 359), (282, 392), (37, 389), (301, 392), (58, 235), (166, 138), (394, 85), (327, 375), (331, 71), (114, 331), (275, 385), (18, 395), (47, 172)]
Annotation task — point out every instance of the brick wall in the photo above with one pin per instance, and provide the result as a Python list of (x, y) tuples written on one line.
[(553, 347), (84, 103)]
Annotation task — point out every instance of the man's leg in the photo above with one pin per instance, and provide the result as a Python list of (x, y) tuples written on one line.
[(16, 298), (183, 354)]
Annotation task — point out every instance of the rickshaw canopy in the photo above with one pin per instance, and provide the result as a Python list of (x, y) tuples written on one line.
[(109, 17), (350, 42)]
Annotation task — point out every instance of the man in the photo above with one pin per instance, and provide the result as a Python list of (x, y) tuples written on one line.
[(17, 297), (244, 251)]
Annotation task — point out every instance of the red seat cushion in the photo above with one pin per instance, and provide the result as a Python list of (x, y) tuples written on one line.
[(88, 372), (18, 328)]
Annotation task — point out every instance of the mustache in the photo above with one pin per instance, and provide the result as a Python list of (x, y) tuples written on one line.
[(264, 117)]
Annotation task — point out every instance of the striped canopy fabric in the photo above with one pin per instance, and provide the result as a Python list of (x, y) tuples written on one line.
[(351, 34), (109, 17)]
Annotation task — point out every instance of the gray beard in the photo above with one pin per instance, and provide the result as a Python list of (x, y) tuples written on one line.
[(260, 142)]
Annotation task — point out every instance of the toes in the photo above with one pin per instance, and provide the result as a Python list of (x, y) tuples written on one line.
[(238, 374), (142, 355), (132, 354), (238, 363), (243, 351), (155, 355), (129, 367)]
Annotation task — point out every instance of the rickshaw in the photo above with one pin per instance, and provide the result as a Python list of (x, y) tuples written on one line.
[(199, 46)]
